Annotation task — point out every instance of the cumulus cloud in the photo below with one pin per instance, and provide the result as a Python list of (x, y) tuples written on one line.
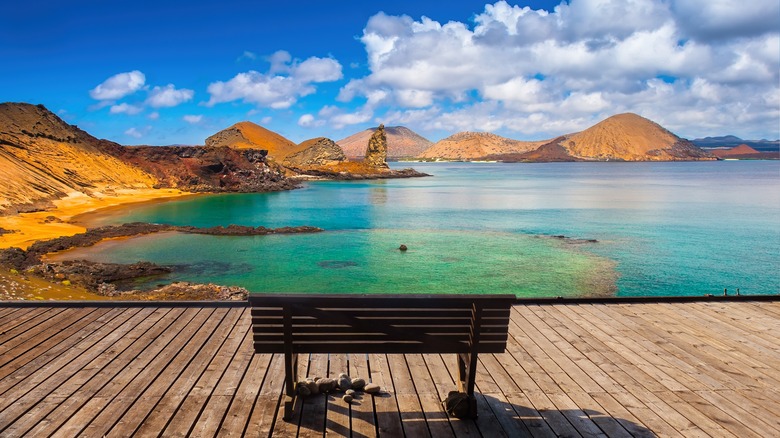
[(125, 108), (138, 132), (678, 62), (192, 119), (286, 81), (309, 121), (119, 86), (168, 96)]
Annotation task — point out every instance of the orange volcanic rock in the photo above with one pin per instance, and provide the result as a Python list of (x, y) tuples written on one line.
[(247, 135), (43, 158), (402, 142), (740, 150), (316, 152), (476, 146), (629, 137)]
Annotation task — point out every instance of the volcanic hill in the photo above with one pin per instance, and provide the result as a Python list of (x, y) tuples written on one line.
[(745, 152), (623, 137), (248, 135), (43, 158), (402, 142), (471, 146), (630, 137)]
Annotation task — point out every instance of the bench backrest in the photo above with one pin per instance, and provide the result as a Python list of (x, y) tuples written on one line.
[(380, 323)]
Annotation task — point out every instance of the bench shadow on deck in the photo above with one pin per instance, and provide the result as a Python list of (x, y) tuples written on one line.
[(585, 368)]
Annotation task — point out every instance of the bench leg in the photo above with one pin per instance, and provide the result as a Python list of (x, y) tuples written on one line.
[(290, 377), (467, 370)]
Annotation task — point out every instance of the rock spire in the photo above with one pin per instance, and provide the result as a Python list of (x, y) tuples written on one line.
[(376, 154)]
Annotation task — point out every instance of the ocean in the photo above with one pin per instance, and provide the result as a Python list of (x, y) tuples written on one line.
[(546, 229)]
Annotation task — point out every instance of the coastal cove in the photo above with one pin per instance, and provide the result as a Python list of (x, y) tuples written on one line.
[(631, 229)]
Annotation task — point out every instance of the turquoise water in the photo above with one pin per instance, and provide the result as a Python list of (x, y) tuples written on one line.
[(662, 229)]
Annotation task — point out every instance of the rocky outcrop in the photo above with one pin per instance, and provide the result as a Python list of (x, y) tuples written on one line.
[(208, 169), (402, 142), (376, 153), (319, 151)]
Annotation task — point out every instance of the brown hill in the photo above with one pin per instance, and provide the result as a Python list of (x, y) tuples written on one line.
[(477, 146), (630, 137), (43, 158), (402, 142), (740, 150), (247, 135)]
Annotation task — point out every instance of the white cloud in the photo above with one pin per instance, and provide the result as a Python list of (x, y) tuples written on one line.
[(192, 119), (247, 55), (124, 108), (168, 96), (154, 115), (539, 72), (119, 86), (309, 121), (138, 133), (281, 87), (317, 70)]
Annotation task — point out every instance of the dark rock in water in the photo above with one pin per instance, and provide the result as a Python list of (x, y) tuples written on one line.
[(4, 231), (402, 248), (336, 264)]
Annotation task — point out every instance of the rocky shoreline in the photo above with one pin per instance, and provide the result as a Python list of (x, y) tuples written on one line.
[(103, 278)]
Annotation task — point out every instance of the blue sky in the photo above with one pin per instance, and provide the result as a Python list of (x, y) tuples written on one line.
[(171, 72)]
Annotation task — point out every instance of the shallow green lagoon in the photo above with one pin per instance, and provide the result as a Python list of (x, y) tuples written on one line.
[(662, 229)]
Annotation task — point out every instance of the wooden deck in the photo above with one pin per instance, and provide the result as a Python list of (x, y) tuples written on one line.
[(571, 369)]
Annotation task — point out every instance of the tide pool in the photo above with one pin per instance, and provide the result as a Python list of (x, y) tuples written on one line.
[(661, 229)]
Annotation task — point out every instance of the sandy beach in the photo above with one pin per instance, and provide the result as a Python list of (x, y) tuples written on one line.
[(60, 221), (70, 216)]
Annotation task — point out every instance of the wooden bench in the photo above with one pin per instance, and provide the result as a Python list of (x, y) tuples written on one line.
[(395, 324)]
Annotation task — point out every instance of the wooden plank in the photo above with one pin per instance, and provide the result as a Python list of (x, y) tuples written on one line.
[(236, 363), (444, 375), (617, 369), (362, 407), (43, 398), (547, 408), (745, 411), (338, 420), (34, 360), (243, 401), (388, 417), (105, 365), (505, 373), (184, 385), (435, 416), (313, 412), (716, 354), (664, 407), (267, 406), (218, 382), (413, 419), (93, 415), (33, 332)]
